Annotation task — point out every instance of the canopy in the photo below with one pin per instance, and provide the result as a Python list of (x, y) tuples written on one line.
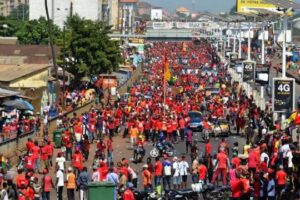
[(20, 104)]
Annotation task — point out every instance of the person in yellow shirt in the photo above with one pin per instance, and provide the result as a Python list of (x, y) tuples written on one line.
[(133, 135), (71, 184), (247, 147)]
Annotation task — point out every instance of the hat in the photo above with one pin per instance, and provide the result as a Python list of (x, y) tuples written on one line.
[(70, 169), (175, 158), (145, 166), (130, 185)]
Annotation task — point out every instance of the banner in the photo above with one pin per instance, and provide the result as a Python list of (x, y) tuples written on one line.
[(283, 98), (249, 6), (232, 59), (162, 25)]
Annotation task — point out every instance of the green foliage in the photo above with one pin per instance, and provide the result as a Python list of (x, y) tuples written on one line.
[(36, 32), (89, 49), (8, 28)]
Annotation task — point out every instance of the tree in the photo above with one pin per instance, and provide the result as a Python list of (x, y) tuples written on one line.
[(89, 50), (36, 32), (233, 10)]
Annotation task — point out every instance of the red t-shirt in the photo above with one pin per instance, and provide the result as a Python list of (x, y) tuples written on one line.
[(236, 187), (158, 168), (281, 177), (236, 161), (202, 171), (208, 149), (222, 160)]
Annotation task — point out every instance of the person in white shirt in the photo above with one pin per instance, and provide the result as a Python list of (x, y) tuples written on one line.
[(59, 183), (184, 168), (60, 161), (264, 155), (176, 173), (95, 175)]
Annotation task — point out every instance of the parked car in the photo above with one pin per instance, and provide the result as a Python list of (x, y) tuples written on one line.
[(195, 120)]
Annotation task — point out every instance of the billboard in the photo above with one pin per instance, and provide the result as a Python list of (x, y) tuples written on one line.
[(283, 95), (248, 6), (262, 72), (156, 14), (248, 71)]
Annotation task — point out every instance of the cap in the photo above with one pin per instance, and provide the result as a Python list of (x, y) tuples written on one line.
[(130, 185), (145, 166), (175, 158), (70, 169)]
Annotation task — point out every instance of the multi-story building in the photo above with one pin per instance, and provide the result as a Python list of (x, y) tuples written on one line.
[(59, 10), (7, 6), (127, 10)]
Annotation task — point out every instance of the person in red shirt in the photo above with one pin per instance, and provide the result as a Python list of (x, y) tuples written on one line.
[(281, 177), (202, 171), (235, 160), (44, 156), (182, 127), (237, 188), (36, 150), (50, 149), (128, 194), (207, 148), (158, 168), (222, 167), (21, 180), (77, 161), (29, 145), (103, 171)]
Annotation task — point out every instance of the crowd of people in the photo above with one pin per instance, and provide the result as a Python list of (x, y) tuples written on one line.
[(264, 167)]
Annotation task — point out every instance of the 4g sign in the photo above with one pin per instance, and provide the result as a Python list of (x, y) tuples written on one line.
[(248, 71), (283, 94)]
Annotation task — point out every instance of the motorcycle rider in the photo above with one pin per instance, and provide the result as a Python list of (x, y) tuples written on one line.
[(128, 194)]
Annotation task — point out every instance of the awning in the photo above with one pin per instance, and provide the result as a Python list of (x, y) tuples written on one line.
[(19, 104)]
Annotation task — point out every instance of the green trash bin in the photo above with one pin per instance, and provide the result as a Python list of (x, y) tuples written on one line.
[(101, 191), (57, 135)]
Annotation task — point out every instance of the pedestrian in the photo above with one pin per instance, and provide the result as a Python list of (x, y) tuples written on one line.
[(176, 173), (158, 169), (113, 178), (60, 161), (195, 165), (77, 161), (82, 183), (188, 139), (222, 166), (184, 168), (167, 173), (37, 188), (59, 183), (128, 194), (47, 185), (71, 184), (281, 178), (271, 187), (147, 178), (3, 192)]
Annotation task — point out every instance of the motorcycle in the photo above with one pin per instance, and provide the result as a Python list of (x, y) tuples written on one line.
[(210, 192), (187, 194), (161, 148), (145, 195)]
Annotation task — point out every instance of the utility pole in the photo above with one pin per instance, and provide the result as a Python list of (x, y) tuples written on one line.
[(52, 48)]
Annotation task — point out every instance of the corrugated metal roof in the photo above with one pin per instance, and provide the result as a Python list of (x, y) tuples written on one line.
[(12, 72), (7, 93)]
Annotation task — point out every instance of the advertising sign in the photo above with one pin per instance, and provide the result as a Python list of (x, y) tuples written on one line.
[(262, 74), (248, 71), (283, 94), (228, 50), (249, 6), (162, 25), (232, 59)]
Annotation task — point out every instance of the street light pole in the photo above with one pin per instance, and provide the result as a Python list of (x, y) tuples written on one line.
[(249, 43), (240, 42), (284, 47), (263, 44)]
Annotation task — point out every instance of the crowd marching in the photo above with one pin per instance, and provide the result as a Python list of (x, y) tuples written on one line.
[(265, 167)]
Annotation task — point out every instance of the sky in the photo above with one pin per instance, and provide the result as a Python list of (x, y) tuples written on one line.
[(214, 6)]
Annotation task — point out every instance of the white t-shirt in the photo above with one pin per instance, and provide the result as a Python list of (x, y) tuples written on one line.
[(263, 156), (60, 162), (60, 177), (3, 194), (289, 156), (183, 168), (176, 167)]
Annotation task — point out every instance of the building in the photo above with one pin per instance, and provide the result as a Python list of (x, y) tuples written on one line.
[(30, 79), (183, 11), (144, 8), (113, 7), (7, 6), (156, 14), (127, 15), (59, 10)]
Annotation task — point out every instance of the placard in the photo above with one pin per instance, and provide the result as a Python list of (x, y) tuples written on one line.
[(283, 95), (248, 71)]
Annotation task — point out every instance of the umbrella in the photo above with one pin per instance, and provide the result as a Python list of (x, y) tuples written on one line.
[(18, 104)]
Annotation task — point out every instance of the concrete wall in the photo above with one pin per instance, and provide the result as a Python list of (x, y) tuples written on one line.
[(35, 81)]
